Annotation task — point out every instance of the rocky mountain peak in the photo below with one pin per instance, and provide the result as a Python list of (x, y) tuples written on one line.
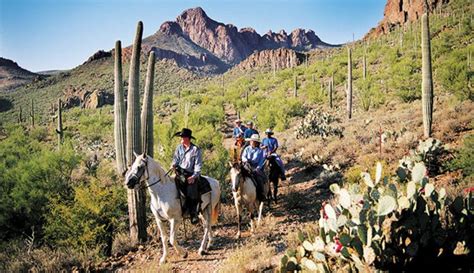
[(171, 28)]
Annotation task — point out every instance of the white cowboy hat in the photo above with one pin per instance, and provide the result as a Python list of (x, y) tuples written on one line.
[(269, 131), (238, 120), (249, 122), (254, 137)]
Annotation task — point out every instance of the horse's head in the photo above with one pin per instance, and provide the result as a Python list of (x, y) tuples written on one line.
[(136, 171), (235, 175)]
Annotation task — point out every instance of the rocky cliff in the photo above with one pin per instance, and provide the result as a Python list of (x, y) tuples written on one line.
[(280, 58), (400, 12)]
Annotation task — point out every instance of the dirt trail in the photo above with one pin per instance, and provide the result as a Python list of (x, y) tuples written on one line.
[(300, 199)]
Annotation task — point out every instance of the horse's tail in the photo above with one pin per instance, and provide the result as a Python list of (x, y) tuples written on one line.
[(215, 212)]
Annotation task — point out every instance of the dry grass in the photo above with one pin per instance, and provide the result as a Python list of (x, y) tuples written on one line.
[(254, 256)]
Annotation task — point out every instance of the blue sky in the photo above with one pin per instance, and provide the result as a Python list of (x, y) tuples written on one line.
[(61, 34)]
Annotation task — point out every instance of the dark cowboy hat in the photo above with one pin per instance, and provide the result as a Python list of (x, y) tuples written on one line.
[(185, 132)]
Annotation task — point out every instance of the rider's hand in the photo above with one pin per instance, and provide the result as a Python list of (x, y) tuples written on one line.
[(191, 180)]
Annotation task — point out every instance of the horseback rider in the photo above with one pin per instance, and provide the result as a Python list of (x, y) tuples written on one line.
[(250, 130), (253, 160), (238, 133), (270, 146), (187, 164)]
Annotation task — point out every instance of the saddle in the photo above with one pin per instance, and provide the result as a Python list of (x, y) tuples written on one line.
[(203, 183)]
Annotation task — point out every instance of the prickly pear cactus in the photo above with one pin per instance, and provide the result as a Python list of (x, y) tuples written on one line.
[(384, 227), (318, 123), (428, 152)]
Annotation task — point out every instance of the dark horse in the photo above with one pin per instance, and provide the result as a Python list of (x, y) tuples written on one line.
[(274, 176)]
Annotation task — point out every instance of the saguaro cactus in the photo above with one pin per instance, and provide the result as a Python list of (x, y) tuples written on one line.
[(364, 65), (136, 198), (32, 113), (20, 116), (60, 130), (427, 79), (349, 83), (295, 88), (147, 109), (331, 86), (119, 112), (133, 100)]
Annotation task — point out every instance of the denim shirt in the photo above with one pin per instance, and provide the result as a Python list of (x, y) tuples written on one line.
[(254, 156), (190, 161), (239, 131), (249, 132), (271, 143)]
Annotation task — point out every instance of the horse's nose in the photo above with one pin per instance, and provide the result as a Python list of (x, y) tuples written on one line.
[(132, 181)]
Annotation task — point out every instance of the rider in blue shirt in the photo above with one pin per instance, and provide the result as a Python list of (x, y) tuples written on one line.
[(270, 146), (239, 129), (254, 162), (250, 130)]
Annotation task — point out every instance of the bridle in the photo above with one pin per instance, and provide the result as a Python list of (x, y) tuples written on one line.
[(147, 175)]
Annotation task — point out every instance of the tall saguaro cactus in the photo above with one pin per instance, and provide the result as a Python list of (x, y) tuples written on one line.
[(136, 198), (32, 113), (349, 83), (364, 65), (427, 79), (147, 109), (331, 86), (60, 129), (119, 112), (133, 99)]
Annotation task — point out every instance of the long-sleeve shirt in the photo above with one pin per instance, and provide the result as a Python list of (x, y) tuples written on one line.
[(254, 156), (190, 160), (249, 132), (239, 131), (271, 143)]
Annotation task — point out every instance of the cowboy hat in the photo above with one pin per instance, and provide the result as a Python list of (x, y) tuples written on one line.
[(185, 132), (269, 131), (238, 121), (249, 122), (254, 137)]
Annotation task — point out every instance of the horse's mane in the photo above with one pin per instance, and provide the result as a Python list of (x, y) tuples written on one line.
[(155, 167)]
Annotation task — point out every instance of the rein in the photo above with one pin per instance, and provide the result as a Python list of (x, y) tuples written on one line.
[(148, 177)]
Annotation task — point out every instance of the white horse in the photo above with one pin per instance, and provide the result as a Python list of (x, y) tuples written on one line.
[(166, 205), (245, 194)]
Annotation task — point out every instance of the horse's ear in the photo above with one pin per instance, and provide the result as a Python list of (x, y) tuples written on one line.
[(135, 154)]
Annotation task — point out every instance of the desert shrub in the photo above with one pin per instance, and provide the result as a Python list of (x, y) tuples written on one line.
[(453, 74), (464, 159), (31, 173), (89, 220)]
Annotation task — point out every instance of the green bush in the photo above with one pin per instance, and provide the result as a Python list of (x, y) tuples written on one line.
[(31, 173), (464, 159), (88, 220)]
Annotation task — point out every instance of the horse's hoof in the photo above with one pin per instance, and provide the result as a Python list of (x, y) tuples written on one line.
[(185, 255), (162, 261), (202, 253)]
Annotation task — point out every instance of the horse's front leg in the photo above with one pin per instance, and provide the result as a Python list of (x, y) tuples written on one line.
[(164, 240), (260, 211), (237, 208), (173, 227), (206, 222)]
